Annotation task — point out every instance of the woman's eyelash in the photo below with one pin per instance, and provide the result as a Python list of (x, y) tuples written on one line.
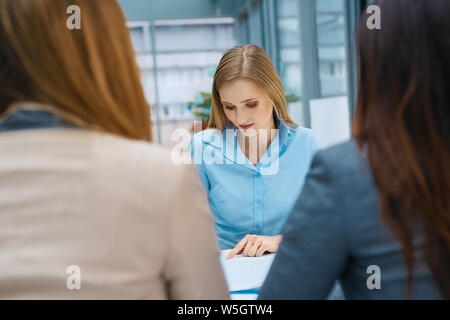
[(250, 105)]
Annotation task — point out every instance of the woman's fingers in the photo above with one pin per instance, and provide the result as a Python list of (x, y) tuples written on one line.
[(238, 248), (250, 243), (252, 251), (261, 251), (255, 246)]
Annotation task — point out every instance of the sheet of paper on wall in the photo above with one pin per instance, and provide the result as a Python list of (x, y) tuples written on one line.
[(330, 120), (245, 273)]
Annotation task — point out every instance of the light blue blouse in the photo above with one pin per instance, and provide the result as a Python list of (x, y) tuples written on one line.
[(248, 199)]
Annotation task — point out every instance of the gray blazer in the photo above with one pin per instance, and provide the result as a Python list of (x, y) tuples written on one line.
[(335, 233)]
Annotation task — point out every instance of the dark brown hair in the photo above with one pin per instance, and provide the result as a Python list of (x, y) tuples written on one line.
[(89, 74), (402, 116)]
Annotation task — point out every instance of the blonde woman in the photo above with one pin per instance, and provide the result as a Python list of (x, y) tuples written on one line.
[(89, 209), (253, 158)]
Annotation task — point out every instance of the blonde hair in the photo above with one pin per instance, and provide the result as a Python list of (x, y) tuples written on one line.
[(249, 62), (90, 74)]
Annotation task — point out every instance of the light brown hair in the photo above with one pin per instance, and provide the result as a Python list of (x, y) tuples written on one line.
[(90, 74), (249, 62)]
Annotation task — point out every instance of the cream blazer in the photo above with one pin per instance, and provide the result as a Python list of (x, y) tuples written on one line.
[(87, 215)]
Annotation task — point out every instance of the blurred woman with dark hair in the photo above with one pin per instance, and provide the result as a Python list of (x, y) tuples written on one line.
[(375, 211), (81, 188)]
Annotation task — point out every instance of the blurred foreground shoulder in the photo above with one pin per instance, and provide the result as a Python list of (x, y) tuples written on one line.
[(342, 159)]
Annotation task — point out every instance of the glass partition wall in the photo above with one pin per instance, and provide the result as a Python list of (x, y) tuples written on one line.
[(177, 59), (313, 65), (310, 43)]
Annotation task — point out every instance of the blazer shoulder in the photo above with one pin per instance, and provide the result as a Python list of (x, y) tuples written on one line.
[(344, 172), (343, 161), (131, 150)]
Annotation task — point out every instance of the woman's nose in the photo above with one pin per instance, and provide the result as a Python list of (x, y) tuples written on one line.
[(241, 117)]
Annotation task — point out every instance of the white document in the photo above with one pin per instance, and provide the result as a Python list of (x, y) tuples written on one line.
[(245, 273)]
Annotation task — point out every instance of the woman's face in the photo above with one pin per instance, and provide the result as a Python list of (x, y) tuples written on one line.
[(247, 106)]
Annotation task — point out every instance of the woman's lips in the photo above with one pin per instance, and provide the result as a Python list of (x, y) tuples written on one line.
[(248, 126)]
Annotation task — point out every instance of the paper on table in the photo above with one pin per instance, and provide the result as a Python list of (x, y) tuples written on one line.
[(245, 273)]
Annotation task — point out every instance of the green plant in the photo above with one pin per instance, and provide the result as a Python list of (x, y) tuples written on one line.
[(201, 106)]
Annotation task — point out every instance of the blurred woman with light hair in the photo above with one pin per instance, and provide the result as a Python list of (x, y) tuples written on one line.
[(82, 189)]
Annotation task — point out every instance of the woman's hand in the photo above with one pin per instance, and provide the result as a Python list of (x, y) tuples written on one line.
[(256, 246)]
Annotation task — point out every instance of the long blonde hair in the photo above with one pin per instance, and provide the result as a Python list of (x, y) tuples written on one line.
[(249, 62), (90, 73)]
